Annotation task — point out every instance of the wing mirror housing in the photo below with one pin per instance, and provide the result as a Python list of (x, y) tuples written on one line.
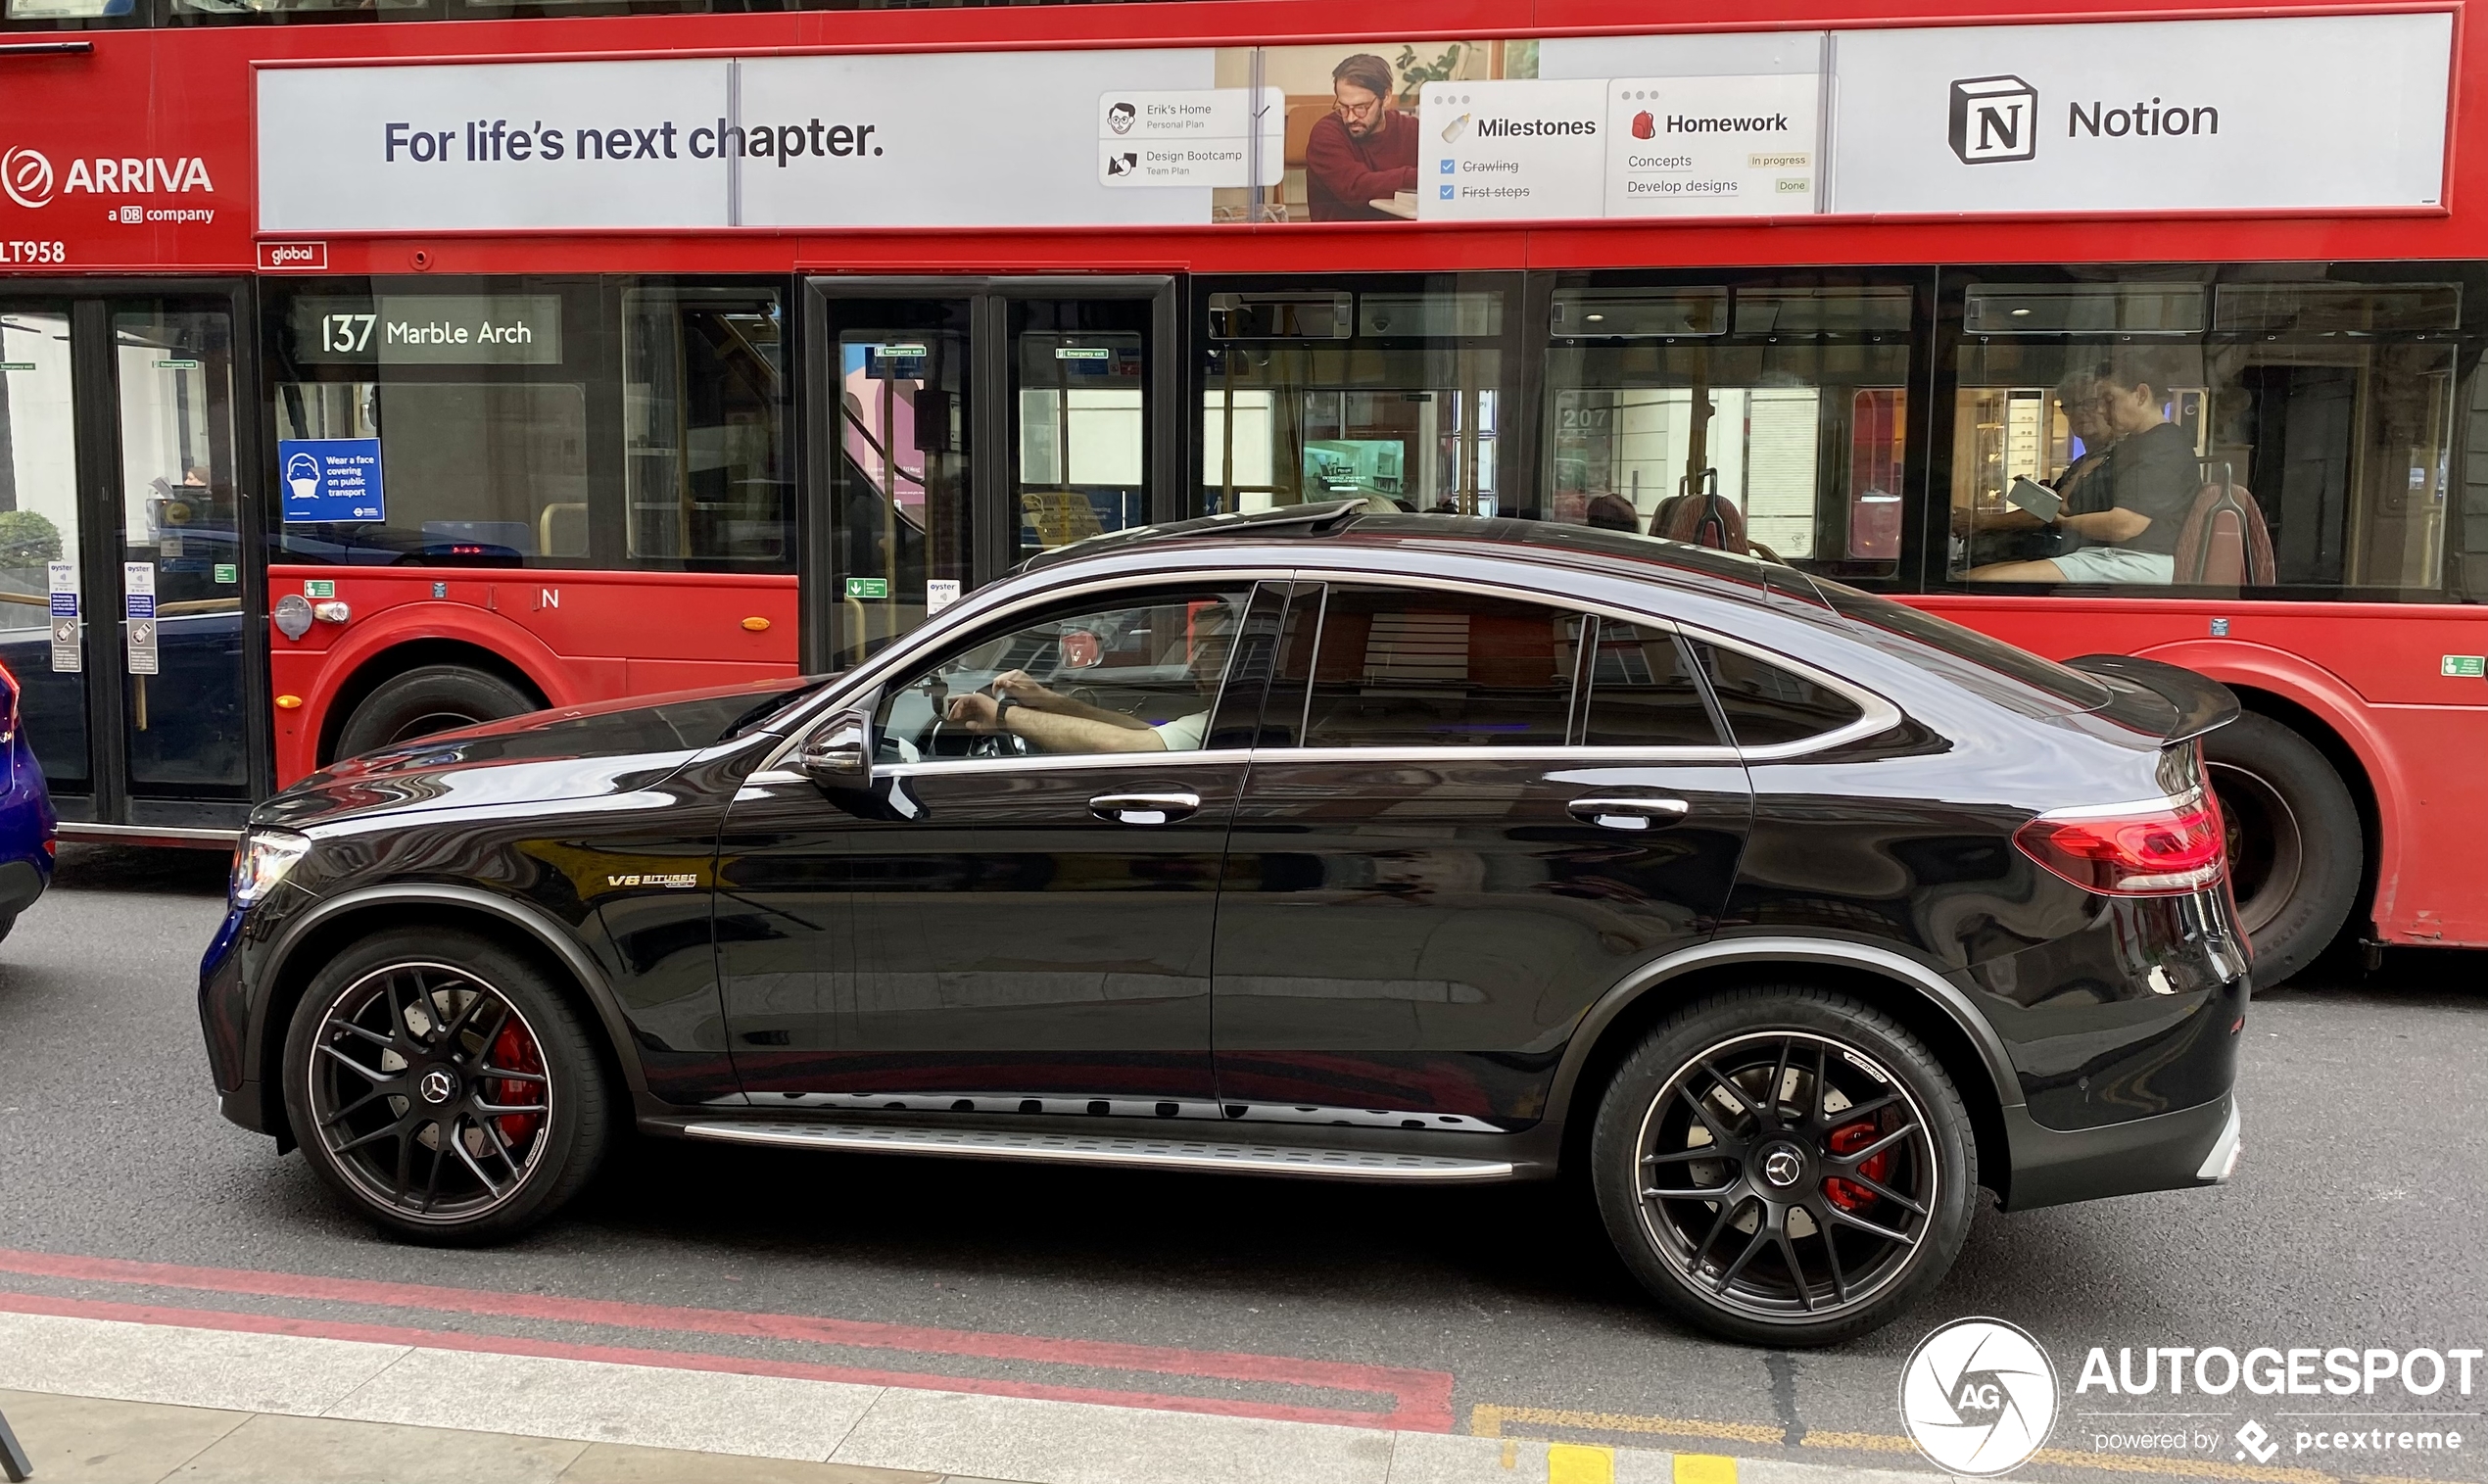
[(839, 755)]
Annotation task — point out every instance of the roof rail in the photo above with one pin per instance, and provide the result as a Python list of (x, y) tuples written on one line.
[(1323, 519)]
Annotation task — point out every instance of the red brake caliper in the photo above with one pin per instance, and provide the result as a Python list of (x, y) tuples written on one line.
[(515, 1052), (1848, 1195)]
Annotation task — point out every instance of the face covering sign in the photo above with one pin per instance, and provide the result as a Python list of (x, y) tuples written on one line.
[(2331, 112)]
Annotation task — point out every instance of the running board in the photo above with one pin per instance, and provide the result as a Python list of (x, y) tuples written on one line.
[(1109, 1149)]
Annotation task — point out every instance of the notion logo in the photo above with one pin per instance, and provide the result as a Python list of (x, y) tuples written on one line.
[(26, 175), (1979, 1397), (1995, 120)]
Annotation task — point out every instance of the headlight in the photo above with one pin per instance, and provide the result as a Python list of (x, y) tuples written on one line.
[(261, 860)]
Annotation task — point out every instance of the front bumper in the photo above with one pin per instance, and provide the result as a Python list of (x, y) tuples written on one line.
[(2173, 1151)]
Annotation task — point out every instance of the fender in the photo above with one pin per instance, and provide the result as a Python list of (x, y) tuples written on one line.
[(2331, 700), (1884, 963), (582, 964)]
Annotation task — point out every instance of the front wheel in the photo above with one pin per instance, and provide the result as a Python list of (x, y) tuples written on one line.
[(1784, 1165), (444, 1087), (427, 700)]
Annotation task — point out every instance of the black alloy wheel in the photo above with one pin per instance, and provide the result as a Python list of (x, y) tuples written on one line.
[(1784, 1166), (444, 1087), (2296, 847)]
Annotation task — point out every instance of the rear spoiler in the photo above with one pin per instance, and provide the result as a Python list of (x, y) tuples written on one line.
[(2174, 701)]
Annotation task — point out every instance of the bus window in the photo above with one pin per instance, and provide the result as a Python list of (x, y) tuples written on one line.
[(1769, 417), (1081, 413), (703, 442), (1392, 393), (2149, 435), (475, 402)]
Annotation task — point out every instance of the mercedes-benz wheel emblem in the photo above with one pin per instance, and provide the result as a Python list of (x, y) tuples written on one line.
[(436, 1086), (1782, 1166), (1979, 1397)]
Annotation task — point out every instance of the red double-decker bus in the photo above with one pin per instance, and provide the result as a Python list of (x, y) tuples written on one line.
[(373, 366)]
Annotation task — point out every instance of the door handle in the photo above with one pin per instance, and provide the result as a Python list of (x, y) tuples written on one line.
[(1629, 813), (1145, 808)]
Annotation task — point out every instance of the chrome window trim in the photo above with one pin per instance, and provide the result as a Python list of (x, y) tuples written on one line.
[(1047, 762), (1878, 715)]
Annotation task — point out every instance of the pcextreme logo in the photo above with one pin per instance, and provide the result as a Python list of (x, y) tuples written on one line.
[(28, 175)]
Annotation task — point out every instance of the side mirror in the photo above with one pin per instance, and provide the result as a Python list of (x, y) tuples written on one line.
[(839, 755)]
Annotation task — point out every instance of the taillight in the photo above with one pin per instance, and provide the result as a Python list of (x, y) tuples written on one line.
[(2159, 849), (9, 722)]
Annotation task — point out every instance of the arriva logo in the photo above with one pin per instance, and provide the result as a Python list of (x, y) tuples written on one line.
[(26, 175)]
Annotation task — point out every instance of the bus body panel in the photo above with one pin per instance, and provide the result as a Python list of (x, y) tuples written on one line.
[(577, 635)]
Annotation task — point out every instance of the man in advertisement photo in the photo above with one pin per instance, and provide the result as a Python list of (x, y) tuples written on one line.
[(1364, 150)]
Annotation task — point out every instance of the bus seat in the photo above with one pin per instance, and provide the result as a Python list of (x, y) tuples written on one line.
[(2224, 543), (1702, 520)]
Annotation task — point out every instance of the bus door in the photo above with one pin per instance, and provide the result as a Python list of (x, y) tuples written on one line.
[(962, 424), (126, 564)]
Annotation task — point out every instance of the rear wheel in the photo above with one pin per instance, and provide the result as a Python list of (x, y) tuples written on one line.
[(427, 700), (2295, 845), (444, 1087), (1784, 1165)]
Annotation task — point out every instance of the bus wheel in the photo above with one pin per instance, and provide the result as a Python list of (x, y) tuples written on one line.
[(427, 700), (2295, 846)]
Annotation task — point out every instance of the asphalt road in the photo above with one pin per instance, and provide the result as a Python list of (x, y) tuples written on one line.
[(2357, 1220)]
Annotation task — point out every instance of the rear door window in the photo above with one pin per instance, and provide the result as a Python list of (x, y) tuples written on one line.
[(1642, 692), (1408, 667)]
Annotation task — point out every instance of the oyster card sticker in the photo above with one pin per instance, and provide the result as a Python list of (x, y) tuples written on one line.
[(67, 649), (138, 608)]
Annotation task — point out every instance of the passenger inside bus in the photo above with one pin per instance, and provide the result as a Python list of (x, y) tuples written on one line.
[(2146, 482), (2013, 534)]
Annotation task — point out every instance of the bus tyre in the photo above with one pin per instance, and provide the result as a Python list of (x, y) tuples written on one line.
[(427, 700), (2295, 845), (1784, 1165), (444, 1087)]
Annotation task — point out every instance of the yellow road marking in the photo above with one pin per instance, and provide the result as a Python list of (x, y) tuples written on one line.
[(1574, 1464), (1487, 1420), (1704, 1469)]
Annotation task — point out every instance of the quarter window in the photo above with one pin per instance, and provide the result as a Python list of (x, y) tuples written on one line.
[(1402, 667), (1766, 705)]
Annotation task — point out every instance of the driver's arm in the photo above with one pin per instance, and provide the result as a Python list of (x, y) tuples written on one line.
[(1032, 695), (1052, 731)]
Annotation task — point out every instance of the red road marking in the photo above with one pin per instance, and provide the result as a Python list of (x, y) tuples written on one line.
[(1421, 1399)]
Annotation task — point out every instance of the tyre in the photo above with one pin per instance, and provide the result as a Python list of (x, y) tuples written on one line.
[(1784, 1165), (2295, 845), (444, 1087), (427, 700)]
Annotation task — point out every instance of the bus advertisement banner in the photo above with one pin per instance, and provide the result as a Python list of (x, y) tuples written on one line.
[(2342, 112)]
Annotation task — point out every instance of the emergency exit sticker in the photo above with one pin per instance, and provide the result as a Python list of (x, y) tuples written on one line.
[(2474, 666), (873, 588)]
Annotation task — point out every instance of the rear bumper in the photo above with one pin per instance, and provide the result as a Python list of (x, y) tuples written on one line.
[(2173, 1151)]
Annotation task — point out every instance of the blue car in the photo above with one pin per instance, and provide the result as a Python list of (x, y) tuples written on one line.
[(29, 828)]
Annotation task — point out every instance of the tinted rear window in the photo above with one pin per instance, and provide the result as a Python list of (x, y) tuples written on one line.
[(1994, 657)]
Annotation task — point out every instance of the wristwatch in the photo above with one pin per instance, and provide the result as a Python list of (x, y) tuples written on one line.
[(1002, 705)]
